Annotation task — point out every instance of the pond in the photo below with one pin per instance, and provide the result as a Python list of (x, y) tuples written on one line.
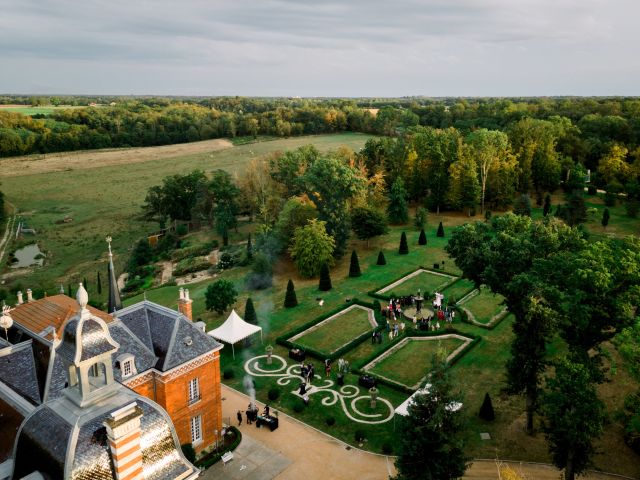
[(26, 256)]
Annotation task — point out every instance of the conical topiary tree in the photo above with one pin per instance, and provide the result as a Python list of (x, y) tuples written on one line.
[(422, 239), (605, 217), (404, 247), (440, 231), (354, 268), (325, 278), (249, 248), (381, 259), (290, 299), (486, 410), (250, 312)]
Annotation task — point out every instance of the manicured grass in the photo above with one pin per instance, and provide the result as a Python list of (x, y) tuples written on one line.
[(458, 290), (484, 306), (338, 331), (423, 281), (409, 364), (108, 201)]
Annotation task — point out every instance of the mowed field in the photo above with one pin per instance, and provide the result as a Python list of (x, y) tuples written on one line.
[(29, 110), (103, 193)]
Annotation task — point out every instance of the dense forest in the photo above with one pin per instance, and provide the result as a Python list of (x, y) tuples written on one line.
[(592, 126)]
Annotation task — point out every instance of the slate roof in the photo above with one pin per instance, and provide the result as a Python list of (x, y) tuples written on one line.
[(130, 343), (10, 419), (18, 369), (47, 442), (174, 339)]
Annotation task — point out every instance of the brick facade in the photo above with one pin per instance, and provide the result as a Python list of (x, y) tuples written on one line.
[(171, 390)]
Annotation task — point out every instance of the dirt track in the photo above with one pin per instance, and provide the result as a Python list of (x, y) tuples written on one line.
[(56, 162)]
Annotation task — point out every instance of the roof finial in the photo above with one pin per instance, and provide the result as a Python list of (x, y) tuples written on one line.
[(82, 297), (114, 302), (108, 239)]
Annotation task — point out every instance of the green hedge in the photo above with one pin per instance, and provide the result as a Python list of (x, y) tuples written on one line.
[(412, 333), (190, 265), (283, 339), (207, 461)]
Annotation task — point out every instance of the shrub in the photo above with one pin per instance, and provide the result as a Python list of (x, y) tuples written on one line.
[(523, 206), (486, 410), (325, 279), (440, 232), (404, 247), (250, 312), (290, 298), (381, 259), (298, 407), (194, 251), (273, 394), (359, 435), (191, 265), (592, 190), (421, 217), (189, 452), (387, 448), (181, 230), (354, 268), (422, 239), (228, 374), (330, 421), (225, 261)]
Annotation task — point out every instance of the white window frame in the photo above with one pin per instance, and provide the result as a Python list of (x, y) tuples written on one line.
[(196, 429), (127, 368), (194, 390)]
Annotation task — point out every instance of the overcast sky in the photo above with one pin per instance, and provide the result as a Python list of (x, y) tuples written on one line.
[(320, 48)]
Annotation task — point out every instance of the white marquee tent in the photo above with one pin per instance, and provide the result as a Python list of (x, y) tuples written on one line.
[(234, 329)]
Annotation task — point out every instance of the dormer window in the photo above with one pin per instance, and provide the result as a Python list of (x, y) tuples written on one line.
[(127, 365)]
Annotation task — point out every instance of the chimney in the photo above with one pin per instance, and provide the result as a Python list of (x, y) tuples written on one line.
[(29, 295), (123, 432), (20, 301), (184, 303)]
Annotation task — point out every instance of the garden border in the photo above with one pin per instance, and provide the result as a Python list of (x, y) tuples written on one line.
[(464, 313), (382, 296)]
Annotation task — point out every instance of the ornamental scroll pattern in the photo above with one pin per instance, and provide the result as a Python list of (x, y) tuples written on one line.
[(347, 395)]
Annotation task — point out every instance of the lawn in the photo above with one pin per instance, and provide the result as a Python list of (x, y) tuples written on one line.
[(107, 201), (457, 290), (335, 332), (425, 281), (484, 306), (408, 363)]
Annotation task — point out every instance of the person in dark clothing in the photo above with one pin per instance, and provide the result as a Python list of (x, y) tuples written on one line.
[(266, 410), (239, 415)]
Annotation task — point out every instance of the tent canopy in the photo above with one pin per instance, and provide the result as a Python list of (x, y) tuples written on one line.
[(234, 329), (403, 408)]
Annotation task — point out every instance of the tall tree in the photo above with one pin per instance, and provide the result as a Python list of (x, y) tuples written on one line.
[(404, 246), (502, 255), (220, 295), (250, 312), (331, 183), (175, 198), (491, 151), (324, 284), (368, 222), (398, 209), (225, 197), (311, 248), (574, 417), (464, 186), (546, 209), (432, 444)]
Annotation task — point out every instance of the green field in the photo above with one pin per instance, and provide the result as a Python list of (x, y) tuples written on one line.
[(409, 364), (484, 306), (423, 281), (338, 331), (107, 201)]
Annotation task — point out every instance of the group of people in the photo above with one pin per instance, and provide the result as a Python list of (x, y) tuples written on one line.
[(432, 322), (252, 413), (307, 371)]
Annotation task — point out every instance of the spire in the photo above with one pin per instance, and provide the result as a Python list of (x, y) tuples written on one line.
[(114, 294)]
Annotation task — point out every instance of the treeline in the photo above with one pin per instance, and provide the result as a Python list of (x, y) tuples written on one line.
[(593, 126)]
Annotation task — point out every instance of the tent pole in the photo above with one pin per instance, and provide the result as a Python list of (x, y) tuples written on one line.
[(233, 351)]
